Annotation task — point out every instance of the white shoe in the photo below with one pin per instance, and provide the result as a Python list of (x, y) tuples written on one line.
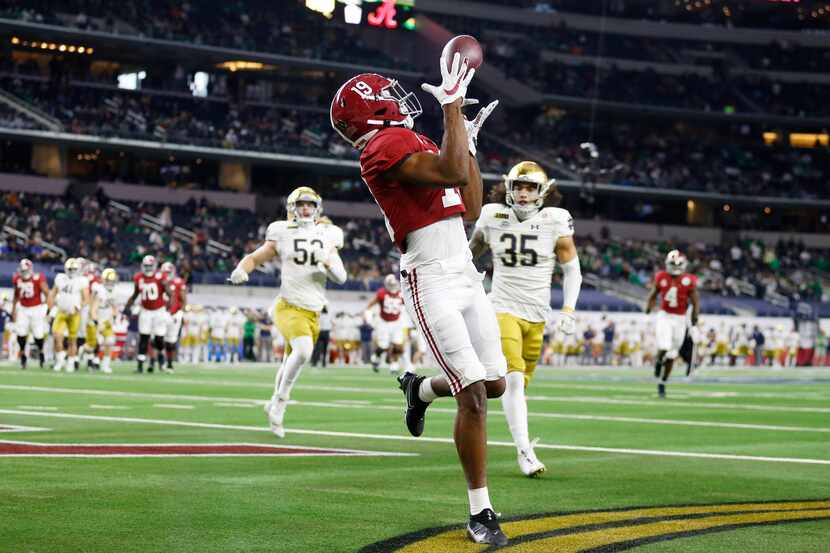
[(106, 370), (528, 463), (275, 414)]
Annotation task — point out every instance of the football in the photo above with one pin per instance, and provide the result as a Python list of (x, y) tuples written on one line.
[(468, 47)]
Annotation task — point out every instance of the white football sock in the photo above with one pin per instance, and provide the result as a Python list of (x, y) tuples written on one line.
[(60, 357), (106, 364), (425, 391), (301, 349), (515, 409), (479, 500)]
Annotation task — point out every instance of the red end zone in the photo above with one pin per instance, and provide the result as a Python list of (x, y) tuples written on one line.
[(30, 449)]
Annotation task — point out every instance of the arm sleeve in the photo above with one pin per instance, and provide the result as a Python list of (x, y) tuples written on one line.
[(336, 272), (571, 283)]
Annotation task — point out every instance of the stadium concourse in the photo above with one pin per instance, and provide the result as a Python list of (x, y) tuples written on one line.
[(181, 196)]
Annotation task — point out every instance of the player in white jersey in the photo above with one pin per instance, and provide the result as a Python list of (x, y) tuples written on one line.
[(218, 323), (526, 239), (69, 295), (103, 311), (308, 250), (236, 320)]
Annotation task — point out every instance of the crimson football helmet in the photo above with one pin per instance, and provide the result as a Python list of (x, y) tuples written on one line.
[(149, 265), (25, 269), (368, 103)]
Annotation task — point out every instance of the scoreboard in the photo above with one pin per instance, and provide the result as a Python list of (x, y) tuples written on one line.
[(383, 14)]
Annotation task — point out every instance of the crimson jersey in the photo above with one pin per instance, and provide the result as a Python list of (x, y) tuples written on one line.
[(28, 290), (151, 290), (177, 285), (93, 280), (391, 304), (406, 207), (674, 291)]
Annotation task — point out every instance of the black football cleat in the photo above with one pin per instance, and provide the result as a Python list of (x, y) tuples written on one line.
[(415, 406), (484, 528)]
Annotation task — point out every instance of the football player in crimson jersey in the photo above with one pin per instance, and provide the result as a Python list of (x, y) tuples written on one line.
[(32, 293), (425, 194), (152, 320), (178, 292), (677, 289), (389, 328)]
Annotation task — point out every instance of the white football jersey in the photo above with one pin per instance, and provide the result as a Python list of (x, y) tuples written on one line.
[(303, 283), (235, 324), (219, 321), (106, 302), (70, 292), (523, 257)]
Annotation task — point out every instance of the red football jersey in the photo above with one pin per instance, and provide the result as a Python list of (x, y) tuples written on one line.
[(28, 291), (176, 285), (406, 207), (391, 304), (93, 280), (674, 291), (151, 290)]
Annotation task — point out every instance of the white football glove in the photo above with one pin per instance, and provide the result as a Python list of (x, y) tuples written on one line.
[(239, 276), (475, 125), (566, 323), (453, 82)]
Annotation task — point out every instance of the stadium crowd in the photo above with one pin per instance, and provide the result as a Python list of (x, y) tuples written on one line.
[(92, 228)]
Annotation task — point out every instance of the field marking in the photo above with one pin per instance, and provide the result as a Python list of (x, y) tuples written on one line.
[(111, 407), (594, 449), (9, 428), (347, 404), (562, 399), (308, 451), (231, 404), (37, 407)]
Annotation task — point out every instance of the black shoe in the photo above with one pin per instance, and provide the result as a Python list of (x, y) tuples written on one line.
[(415, 406), (23, 360), (484, 528), (661, 391)]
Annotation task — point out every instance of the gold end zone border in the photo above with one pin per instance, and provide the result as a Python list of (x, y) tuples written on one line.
[(611, 530)]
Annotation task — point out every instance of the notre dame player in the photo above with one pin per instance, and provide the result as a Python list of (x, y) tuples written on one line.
[(308, 249), (526, 239)]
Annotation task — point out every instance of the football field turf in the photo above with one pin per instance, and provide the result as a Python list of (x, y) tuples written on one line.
[(738, 460)]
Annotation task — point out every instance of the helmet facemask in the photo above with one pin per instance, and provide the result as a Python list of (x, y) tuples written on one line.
[(530, 173), (408, 105), (148, 266), (25, 269), (391, 283), (676, 263)]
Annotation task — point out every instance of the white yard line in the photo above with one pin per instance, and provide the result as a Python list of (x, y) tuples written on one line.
[(346, 404), (623, 451), (37, 407), (111, 407)]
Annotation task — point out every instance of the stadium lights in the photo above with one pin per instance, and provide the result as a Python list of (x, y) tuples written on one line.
[(247, 65), (325, 7), (44, 45), (352, 12), (727, 208), (767, 210)]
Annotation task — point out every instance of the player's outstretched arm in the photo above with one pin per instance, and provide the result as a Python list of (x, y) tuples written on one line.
[(694, 297), (652, 299), (14, 305), (263, 254), (473, 193), (478, 243), (128, 306), (566, 253), (50, 299)]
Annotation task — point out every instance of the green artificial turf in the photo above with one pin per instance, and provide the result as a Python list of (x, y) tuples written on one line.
[(267, 504)]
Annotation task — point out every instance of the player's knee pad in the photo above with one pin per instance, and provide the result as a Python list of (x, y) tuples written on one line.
[(143, 342)]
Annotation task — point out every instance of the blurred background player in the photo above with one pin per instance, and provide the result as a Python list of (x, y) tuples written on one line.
[(321, 346), (677, 290), (233, 336), (388, 325), (31, 291), (218, 322), (103, 310), (309, 255), (69, 295), (187, 343), (177, 288), (152, 318), (424, 193), (526, 239), (88, 343)]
